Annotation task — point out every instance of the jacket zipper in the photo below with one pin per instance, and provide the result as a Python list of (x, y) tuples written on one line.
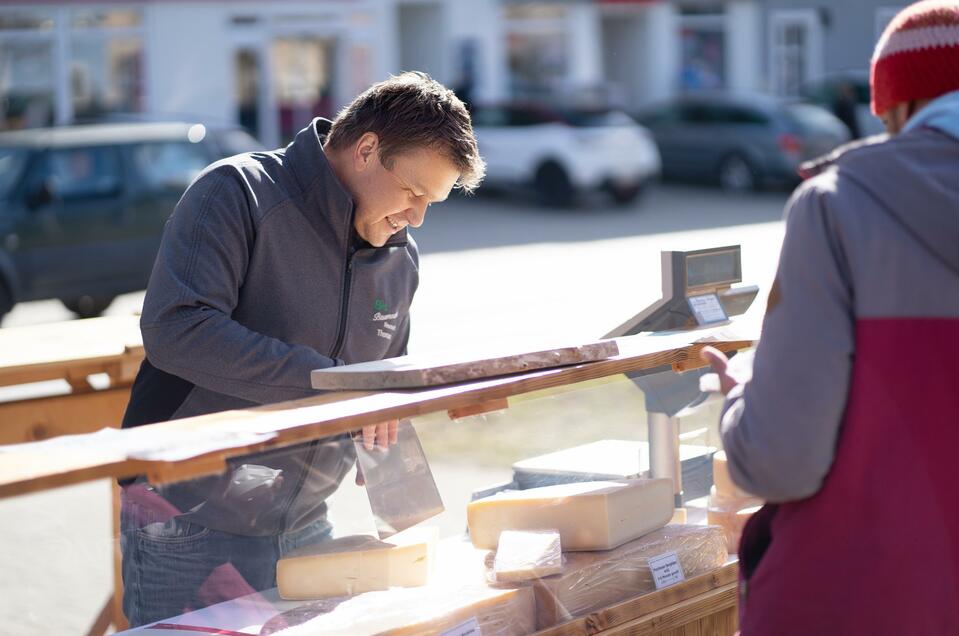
[(345, 304), (340, 337)]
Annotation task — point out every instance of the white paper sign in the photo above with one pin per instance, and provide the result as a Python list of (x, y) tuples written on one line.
[(666, 570), (707, 309), (469, 628)]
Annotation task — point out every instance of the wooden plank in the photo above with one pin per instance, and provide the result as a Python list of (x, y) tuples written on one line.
[(326, 415), (721, 601), (76, 348), (695, 591), (409, 372), (44, 418)]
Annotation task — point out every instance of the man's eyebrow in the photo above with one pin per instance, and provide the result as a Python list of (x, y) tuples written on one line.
[(419, 188)]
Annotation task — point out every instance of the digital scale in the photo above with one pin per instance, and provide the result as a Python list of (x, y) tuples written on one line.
[(697, 292)]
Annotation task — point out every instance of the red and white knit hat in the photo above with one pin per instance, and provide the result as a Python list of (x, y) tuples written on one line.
[(917, 56)]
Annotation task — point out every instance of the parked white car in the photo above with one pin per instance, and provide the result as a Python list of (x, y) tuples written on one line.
[(560, 153)]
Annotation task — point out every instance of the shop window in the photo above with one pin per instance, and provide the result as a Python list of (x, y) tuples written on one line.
[(106, 19), (106, 76), (796, 50), (538, 63), (26, 83), (302, 76), (106, 70), (25, 21), (703, 51), (246, 68)]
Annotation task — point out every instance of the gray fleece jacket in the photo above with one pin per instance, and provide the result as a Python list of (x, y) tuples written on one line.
[(260, 279), (872, 237)]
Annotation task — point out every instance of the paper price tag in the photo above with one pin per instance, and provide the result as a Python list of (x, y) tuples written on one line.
[(666, 570), (469, 628)]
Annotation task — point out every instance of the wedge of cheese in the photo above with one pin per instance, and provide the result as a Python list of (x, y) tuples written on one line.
[(595, 515), (523, 555), (355, 564)]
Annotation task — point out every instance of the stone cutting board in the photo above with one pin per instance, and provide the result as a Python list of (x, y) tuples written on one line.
[(410, 372)]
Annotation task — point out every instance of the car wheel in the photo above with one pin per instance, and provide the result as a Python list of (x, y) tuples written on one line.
[(626, 194), (553, 186), (6, 299), (736, 174), (87, 306)]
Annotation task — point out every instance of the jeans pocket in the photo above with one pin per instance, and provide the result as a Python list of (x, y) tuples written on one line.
[(173, 531)]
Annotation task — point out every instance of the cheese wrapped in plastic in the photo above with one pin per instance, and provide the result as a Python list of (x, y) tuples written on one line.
[(526, 555), (593, 580), (418, 611)]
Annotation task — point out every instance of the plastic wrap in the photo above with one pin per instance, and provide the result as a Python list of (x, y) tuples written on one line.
[(412, 612), (731, 514), (526, 555), (593, 580)]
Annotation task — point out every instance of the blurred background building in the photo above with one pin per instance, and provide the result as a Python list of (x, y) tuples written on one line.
[(271, 66)]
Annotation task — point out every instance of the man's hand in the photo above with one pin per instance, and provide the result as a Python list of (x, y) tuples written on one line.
[(381, 435), (720, 364)]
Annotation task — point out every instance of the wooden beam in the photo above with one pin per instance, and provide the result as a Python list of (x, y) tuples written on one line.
[(47, 417), (326, 415)]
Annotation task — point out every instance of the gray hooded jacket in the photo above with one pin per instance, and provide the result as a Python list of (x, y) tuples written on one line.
[(260, 279)]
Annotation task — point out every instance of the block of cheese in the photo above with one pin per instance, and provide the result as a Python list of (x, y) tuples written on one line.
[(722, 481), (418, 611), (592, 515), (354, 564), (732, 519), (522, 555), (593, 580)]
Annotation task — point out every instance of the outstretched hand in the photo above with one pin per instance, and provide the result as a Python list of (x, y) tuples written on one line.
[(720, 364)]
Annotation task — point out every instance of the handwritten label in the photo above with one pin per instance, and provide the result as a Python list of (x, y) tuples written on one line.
[(469, 628), (666, 570)]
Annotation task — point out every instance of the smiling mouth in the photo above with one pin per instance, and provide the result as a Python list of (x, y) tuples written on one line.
[(393, 224)]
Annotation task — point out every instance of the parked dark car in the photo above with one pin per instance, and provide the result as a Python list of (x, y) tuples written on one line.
[(82, 208), (741, 142), (832, 90)]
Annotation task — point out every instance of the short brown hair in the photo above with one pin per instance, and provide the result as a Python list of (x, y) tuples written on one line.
[(412, 110)]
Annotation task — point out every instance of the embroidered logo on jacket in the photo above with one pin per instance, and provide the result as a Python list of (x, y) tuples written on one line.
[(381, 314)]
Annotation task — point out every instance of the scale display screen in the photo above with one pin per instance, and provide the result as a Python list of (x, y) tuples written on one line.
[(713, 268)]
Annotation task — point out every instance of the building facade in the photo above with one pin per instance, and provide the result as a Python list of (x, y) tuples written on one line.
[(271, 66)]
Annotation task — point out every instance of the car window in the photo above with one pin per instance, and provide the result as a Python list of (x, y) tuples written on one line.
[(660, 116), (77, 173), (597, 118), (235, 141), (12, 161), (528, 117), (811, 118), (696, 114), (740, 115), (489, 117), (170, 164)]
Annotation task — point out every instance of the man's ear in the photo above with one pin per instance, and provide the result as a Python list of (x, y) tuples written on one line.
[(365, 151)]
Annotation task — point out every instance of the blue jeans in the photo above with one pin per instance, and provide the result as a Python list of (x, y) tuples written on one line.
[(173, 566)]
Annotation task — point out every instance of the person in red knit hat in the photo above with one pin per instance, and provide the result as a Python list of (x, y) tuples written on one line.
[(847, 425)]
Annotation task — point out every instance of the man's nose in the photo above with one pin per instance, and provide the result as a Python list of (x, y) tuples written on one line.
[(417, 214)]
